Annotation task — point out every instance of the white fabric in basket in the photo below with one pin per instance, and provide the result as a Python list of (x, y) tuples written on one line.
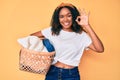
[(32, 43)]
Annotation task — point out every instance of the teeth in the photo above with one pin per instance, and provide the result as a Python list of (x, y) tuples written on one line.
[(66, 23)]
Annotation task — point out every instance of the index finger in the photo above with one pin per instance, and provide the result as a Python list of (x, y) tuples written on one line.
[(82, 11)]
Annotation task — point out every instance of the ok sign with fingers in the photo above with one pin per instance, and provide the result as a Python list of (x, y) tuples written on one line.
[(83, 19)]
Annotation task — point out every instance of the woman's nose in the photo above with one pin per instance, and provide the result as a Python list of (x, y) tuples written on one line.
[(65, 19)]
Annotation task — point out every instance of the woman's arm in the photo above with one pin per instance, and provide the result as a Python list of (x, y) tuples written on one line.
[(96, 45), (38, 34)]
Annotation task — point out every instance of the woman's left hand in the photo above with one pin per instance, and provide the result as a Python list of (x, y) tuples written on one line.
[(83, 19)]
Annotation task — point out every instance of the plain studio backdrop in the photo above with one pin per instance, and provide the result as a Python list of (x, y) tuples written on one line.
[(19, 18)]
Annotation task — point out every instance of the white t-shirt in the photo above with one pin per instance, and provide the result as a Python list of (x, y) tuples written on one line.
[(69, 46)]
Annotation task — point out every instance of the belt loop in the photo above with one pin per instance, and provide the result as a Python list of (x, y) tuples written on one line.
[(70, 71)]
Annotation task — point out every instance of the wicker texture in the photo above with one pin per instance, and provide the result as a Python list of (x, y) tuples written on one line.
[(35, 62)]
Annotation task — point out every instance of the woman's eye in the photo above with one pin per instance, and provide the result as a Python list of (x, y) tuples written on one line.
[(69, 15), (61, 16)]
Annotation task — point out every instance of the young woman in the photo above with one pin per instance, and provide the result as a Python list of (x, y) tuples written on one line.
[(71, 34)]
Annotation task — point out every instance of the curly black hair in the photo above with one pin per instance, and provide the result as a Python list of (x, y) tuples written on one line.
[(55, 24)]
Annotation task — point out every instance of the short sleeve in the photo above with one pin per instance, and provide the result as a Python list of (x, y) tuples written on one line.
[(87, 39), (47, 32)]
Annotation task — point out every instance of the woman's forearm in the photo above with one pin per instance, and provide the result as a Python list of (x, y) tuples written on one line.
[(96, 42)]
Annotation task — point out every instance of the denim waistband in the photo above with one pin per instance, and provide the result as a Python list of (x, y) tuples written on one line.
[(57, 73), (75, 69)]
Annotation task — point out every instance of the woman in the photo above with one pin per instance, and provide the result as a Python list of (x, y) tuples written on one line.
[(71, 34)]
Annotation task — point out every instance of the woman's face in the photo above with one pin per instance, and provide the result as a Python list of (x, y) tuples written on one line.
[(65, 18)]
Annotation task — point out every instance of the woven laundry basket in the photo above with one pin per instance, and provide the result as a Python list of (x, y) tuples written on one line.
[(35, 62)]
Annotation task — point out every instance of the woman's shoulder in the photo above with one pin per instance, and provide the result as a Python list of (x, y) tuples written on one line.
[(47, 29), (83, 34), (47, 32)]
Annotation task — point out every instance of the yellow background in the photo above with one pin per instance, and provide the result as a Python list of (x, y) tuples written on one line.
[(20, 18)]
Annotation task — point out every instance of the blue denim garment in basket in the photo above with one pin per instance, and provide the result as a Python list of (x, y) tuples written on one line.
[(48, 45)]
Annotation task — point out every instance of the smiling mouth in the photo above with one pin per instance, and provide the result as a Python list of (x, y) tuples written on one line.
[(66, 24)]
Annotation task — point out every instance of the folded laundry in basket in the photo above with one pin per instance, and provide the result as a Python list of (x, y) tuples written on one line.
[(36, 44), (32, 43)]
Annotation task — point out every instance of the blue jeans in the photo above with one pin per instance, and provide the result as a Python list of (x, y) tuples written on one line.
[(56, 73)]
